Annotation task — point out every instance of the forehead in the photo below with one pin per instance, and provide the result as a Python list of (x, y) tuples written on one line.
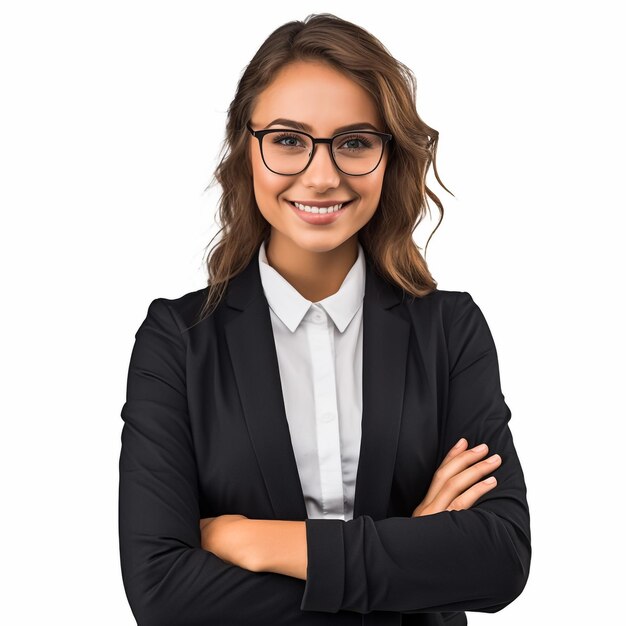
[(316, 94)]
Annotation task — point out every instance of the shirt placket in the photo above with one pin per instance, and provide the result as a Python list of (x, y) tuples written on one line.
[(326, 412)]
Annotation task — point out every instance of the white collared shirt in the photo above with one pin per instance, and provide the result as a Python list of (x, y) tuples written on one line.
[(320, 357)]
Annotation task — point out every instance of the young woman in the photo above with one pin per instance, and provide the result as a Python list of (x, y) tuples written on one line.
[(288, 450)]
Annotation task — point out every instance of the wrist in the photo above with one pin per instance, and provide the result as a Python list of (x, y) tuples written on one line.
[(277, 546), (253, 547)]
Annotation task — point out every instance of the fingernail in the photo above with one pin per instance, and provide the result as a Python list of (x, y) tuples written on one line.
[(459, 442), (493, 459), (489, 480), (481, 448)]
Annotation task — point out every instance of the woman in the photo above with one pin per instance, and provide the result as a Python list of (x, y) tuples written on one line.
[(288, 449)]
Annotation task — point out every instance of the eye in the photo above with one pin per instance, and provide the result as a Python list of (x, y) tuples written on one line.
[(354, 139), (278, 139)]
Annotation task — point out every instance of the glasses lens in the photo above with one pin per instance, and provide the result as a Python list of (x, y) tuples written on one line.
[(288, 152), (358, 152)]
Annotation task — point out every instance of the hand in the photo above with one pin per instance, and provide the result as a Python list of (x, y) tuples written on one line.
[(449, 488), (221, 536)]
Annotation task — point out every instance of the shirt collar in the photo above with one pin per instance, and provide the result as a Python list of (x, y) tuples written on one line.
[(290, 306)]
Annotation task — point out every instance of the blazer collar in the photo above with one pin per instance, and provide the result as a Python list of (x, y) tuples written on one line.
[(250, 340)]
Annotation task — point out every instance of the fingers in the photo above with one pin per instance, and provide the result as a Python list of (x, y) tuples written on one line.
[(460, 470), (467, 499), (455, 450), (458, 482), (439, 478), (454, 462), (463, 472)]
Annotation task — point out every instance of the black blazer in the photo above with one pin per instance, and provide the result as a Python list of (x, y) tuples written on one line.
[(205, 434)]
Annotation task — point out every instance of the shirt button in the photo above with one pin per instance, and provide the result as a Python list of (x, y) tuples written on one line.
[(318, 317), (327, 417)]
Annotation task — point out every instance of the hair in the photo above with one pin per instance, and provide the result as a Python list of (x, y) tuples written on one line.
[(388, 236)]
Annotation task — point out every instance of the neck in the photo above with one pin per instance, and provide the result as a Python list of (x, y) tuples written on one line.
[(314, 274)]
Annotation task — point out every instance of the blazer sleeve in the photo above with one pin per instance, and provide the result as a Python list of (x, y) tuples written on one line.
[(168, 577), (476, 559)]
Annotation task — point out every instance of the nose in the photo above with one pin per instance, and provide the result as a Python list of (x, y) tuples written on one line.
[(321, 172)]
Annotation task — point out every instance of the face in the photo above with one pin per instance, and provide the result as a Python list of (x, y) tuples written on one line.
[(324, 99)]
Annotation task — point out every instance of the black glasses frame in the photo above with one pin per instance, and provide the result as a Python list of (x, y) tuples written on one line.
[(259, 134)]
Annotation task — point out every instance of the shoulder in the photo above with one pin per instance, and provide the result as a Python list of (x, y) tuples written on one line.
[(464, 326), (181, 311), (447, 305), (453, 314)]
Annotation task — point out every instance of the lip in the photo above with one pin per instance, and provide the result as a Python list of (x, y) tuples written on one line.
[(319, 218)]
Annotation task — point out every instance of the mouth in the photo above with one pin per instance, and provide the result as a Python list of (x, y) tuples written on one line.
[(322, 210), (315, 218)]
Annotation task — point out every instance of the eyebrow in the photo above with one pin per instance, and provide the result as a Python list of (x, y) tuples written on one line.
[(306, 128)]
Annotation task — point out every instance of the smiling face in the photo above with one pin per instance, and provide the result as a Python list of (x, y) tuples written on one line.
[(325, 100)]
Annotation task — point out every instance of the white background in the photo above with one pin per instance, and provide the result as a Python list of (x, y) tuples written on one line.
[(112, 116)]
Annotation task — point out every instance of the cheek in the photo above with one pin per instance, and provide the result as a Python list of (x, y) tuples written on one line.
[(265, 183), (257, 168), (268, 186), (267, 189), (377, 183), (370, 188)]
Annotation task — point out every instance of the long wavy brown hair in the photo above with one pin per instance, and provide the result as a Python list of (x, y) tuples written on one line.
[(388, 237)]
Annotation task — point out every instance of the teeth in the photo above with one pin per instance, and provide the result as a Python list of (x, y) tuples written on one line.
[(316, 209)]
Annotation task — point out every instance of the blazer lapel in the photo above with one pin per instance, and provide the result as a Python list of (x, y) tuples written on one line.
[(254, 359)]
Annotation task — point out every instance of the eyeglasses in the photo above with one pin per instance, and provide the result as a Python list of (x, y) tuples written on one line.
[(288, 152)]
